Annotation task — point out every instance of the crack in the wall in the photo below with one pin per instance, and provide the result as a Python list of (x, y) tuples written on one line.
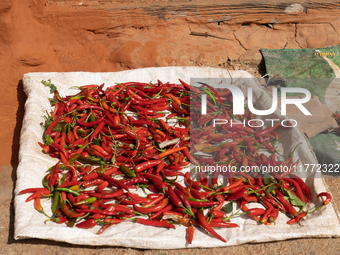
[(286, 44), (334, 28), (327, 37), (254, 32), (239, 41), (296, 36), (189, 27)]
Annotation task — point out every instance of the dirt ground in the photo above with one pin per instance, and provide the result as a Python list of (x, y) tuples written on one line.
[(102, 36)]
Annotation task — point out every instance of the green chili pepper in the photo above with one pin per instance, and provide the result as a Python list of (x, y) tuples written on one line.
[(55, 201), (45, 183), (196, 199), (73, 192), (92, 117), (73, 159), (89, 200), (127, 170), (92, 161)]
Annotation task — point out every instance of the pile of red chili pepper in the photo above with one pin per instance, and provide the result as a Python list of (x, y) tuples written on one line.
[(111, 142)]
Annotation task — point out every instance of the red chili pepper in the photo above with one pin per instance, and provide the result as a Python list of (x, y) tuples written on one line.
[(174, 213), (200, 195), (244, 208), (303, 186), (221, 200), (31, 190), (206, 226), (269, 210), (124, 209), (46, 148), (86, 87), (54, 176), (93, 182), (300, 216), (220, 224), (203, 204), (73, 171), (89, 106), (250, 198), (180, 187), (267, 130), (99, 149), (292, 167), (38, 207), (266, 144), (55, 110), (214, 180), (97, 130), (102, 186), (238, 195), (328, 197), (113, 181), (174, 198), (160, 212), (190, 88), (55, 121), (297, 218), (155, 223), (225, 189), (273, 215), (138, 198), (111, 221), (191, 183), (81, 122), (61, 149), (139, 92), (71, 198), (190, 234), (184, 199), (158, 182), (292, 221), (148, 164), (116, 193), (64, 208), (61, 218), (144, 122), (153, 201), (276, 204), (170, 151), (297, 187), (111, 171), (290, 209), (63, 136), (90, 176), (213, 89), (152, 209), (97, 216), (256, 211), (90, 223), (138, 179), (171, 116), (216, 213), (95, 211)]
